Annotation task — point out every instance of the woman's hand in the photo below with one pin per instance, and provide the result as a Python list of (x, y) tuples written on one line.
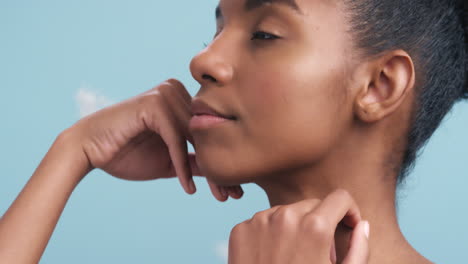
[(144, 138), (300, 233), (141, 138)]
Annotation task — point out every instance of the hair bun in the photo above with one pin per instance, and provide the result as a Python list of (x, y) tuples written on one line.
[(464, 14)]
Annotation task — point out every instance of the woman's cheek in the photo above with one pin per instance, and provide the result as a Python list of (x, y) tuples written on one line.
[(268, 94)]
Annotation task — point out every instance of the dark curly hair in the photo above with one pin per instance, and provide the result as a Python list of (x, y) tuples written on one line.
[(435, 34)]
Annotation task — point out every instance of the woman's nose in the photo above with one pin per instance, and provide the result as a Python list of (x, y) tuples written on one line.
[(211, 65)]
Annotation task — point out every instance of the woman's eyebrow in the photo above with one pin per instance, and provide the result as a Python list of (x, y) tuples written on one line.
[(254, 4)]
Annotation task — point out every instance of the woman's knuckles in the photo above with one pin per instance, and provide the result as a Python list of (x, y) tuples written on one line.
[(164, 104), (316, 225), (112, 130), (173, 82), (285, 217), (307, 224), (261, 218), (343, 194), (238, 232)]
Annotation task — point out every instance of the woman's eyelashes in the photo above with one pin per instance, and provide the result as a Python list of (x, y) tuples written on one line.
[(259, 35)]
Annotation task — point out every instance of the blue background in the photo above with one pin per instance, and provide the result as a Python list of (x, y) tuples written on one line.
[(53, 52)]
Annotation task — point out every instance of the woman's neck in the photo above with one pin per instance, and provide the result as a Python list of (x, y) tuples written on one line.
[(372, 187)]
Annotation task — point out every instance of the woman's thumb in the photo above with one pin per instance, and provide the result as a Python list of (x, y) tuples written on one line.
[(358, 252)]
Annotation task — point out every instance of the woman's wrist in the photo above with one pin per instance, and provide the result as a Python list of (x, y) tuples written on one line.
[(68, 146)]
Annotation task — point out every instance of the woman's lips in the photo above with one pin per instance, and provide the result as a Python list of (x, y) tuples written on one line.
[(206, 121), (205, 116)]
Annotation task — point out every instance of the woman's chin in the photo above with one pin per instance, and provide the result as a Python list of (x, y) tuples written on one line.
[(221, 177), (227, 168)]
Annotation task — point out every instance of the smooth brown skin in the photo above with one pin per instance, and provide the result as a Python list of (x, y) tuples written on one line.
[(314, 115), (301, 233)]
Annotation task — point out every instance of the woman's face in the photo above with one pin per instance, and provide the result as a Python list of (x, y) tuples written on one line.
[(288, 93)]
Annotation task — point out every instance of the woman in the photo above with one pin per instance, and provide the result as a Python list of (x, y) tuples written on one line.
[(304, 98)]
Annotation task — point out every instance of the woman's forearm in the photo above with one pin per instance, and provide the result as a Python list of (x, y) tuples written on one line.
[(27, 226)]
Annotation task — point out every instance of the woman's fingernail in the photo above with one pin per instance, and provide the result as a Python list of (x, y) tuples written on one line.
[(366, 228)]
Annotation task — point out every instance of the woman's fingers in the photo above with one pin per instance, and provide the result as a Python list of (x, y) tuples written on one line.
[(222, 193), (179, 120), (300, 232), (177, 147), (358, 252), (173, 128), (236, 192), (217, 191), (339, 206), (164, 120), (333, 252)]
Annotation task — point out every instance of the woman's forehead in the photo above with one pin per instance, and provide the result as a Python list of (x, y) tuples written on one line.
[(252, 4), (301, 7)]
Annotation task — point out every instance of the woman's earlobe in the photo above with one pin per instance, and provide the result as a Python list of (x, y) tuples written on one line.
[(390, 84)]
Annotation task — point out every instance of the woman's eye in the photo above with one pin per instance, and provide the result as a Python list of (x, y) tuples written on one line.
[(263, 36), (260, 35)]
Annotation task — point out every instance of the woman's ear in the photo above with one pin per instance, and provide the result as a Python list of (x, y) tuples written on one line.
[(390, 79)]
